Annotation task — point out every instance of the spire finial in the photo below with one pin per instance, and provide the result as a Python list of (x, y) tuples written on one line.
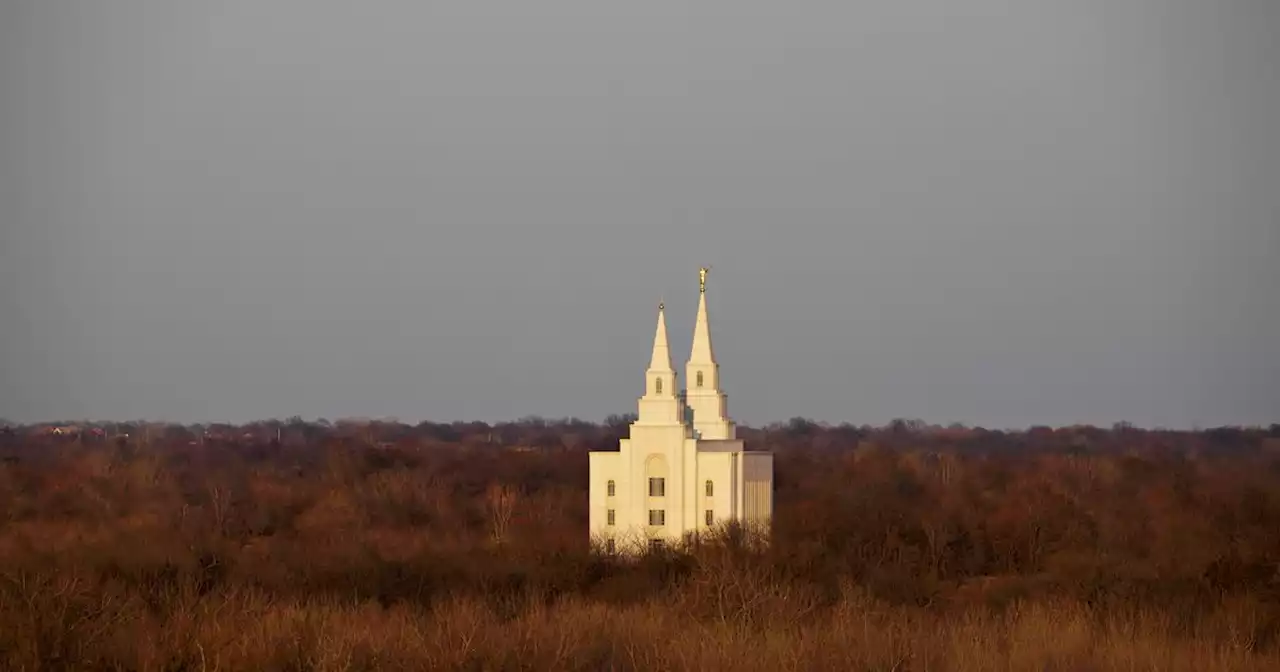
[(661, 305), (702, 279)]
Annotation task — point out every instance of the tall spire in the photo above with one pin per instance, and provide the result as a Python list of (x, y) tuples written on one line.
[(661, 359), (702, 353), (702, 375)]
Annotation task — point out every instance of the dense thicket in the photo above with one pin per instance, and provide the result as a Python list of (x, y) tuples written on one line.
[(380, 545)]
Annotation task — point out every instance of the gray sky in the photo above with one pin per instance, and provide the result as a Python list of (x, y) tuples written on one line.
[(992, 212)]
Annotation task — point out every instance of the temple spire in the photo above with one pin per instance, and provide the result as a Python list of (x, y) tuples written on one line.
[(661, 359), (661, 403), (702, 375), (702, 352)]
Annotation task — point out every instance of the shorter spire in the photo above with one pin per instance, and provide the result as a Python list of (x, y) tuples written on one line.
[(661, 359), (661, 403)]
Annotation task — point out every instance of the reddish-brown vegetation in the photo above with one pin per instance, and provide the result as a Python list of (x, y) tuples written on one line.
[(387, 546)]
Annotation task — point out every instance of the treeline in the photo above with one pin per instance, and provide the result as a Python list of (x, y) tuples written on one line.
[(573, 433), (380, 545)]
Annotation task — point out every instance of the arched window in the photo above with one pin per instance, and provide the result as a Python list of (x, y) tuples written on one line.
[(655, 468), (699, 379), (710, 489), (657, 386)]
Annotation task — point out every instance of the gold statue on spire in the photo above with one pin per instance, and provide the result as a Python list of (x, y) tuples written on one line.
[(702, 279)]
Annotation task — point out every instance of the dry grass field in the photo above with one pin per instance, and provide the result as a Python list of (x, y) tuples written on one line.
[(894, 549)]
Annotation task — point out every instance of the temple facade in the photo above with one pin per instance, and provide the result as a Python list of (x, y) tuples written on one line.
[(682, 470)]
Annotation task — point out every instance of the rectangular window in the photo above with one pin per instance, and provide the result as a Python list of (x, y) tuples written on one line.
[(710, 516), (610, 517), (657, 487), (710, 489), (657, 517), (655, 544), (612, 489), (609, 546)]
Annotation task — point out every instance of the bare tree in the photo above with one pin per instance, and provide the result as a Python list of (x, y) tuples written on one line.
[(220, 503), (500, 500)]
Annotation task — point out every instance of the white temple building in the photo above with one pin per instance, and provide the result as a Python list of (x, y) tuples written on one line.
[(682, 470)]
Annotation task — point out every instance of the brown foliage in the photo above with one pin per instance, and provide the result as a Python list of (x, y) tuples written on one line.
[(902, 548)]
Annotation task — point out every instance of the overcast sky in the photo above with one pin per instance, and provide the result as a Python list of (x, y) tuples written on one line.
[(992, 212)]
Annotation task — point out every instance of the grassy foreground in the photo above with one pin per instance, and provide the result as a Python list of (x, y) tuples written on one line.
[(64, 622)]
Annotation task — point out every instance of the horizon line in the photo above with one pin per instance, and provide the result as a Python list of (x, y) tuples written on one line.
[(915, 423)]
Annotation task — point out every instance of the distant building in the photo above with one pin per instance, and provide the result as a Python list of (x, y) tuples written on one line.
[(681, 470)]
